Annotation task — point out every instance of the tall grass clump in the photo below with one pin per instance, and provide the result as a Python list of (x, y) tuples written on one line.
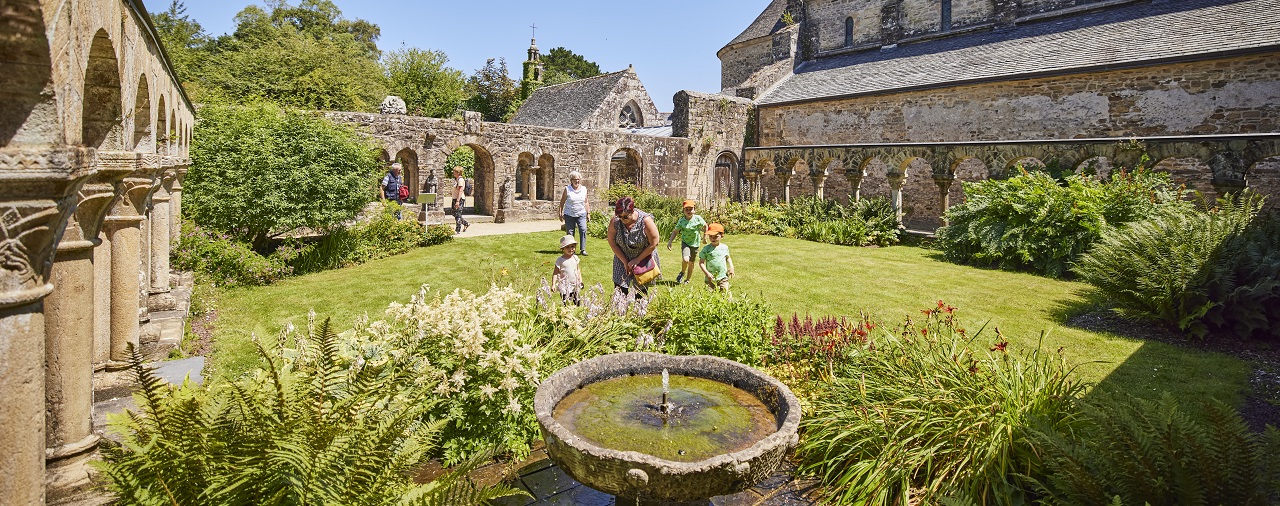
[(713, 323), (1137, 451), (300, 431), (1036, 223), (916, 415), (1195, 270)]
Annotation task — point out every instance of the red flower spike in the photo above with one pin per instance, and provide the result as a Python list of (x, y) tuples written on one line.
[(1000, 346)]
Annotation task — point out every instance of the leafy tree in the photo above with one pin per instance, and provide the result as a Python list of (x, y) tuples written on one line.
[(259, 172), (464, 157), (183, 38), (420, 77), (569, 64), (493, 91), (305, 72)]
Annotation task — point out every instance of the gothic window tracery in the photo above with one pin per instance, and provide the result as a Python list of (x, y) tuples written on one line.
[(629, 118)]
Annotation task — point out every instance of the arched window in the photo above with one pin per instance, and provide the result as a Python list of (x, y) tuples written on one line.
[(629, 117), (848, 31)]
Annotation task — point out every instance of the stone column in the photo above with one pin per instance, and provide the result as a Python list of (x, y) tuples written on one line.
[(69, 314), (855, 182), (895, 193), (102, 301), (531, 188), (944, 183), (786, 186), (175, 203), (124, 230), (158, 298), (819, 184), (37, 194)]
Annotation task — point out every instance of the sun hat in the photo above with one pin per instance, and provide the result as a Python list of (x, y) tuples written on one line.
[(690, 203), (567, 240), (715, 228)]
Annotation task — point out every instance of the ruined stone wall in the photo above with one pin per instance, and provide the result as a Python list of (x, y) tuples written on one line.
[(715, 125), (1233, 95), (498, 148), (755, 65)]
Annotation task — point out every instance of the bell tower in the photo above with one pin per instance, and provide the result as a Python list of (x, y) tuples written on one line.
[(532, 68)]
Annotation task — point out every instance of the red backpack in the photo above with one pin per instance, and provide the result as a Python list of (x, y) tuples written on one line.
[(404, 192)]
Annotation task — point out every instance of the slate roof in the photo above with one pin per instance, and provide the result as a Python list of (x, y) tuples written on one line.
[(1127, 36), (569, 105), (767, 23)]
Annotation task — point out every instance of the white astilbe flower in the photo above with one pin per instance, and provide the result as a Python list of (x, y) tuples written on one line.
[(509, 384), (513, 406), (459, 378), (487, 391)]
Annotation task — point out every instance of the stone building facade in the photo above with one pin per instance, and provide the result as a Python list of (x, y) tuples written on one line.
[(903, 98), (94, 131)]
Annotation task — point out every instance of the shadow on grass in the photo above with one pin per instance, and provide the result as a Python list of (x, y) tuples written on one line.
[(1081, 302)]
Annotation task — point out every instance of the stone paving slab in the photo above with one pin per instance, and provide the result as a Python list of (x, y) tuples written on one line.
[(550, 486)]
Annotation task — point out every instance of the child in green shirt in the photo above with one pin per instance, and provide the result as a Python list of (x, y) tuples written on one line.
[(690, 228), (714, 259)]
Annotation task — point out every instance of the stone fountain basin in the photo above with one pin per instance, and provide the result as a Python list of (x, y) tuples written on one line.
[(637, 475)]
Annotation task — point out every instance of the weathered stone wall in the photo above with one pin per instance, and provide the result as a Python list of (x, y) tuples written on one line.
[(716, 126), (757, 64), (885, 22), (628, 89), (1234, 95), (499, 146)]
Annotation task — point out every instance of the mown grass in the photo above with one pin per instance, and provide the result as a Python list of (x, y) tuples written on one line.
[(794, 276)]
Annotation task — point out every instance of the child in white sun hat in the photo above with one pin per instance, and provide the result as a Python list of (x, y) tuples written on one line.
[(567, 276)]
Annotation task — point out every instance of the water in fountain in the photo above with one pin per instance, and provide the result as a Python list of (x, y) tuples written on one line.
[(678, 418)]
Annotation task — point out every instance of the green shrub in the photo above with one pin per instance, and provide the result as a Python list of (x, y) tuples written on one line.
[(302, 431), (259, 172), (745, 217), (1033, 222), (1246, 283), (1162, 268), (1136, 451), (712, 323), (221, 260), (916, 415), (381, 236), (598, 224)]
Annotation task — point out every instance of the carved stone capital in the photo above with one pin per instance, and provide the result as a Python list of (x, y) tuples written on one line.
[(38, 190), (137, 189)]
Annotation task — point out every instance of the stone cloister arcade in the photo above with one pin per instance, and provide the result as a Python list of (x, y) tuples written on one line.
[(920, 179), (94, 136), (520, 169)]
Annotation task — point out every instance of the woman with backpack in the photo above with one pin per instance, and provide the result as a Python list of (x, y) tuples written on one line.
[(460, 224)]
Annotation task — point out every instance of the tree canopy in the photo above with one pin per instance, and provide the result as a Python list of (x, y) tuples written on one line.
[(562, 63), (420, 77), (260, 171), (495, 94)]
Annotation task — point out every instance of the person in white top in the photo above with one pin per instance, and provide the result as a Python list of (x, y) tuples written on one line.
[(460, 224), (567, 276), (575, 210)]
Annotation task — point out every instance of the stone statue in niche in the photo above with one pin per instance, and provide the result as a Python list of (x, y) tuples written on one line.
[(431, 183)]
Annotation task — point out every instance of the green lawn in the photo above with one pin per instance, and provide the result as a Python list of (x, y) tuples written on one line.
[(793, 275)]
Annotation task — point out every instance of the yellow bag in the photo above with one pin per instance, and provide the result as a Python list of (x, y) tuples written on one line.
[(647, 271)]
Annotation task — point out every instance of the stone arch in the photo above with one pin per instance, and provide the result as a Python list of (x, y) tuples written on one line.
[(726, 177), (408, 159), (547, 177), (626, 166), (173, 129), (101, 121), (162, 127), (966, 169), (1194, 173), (1098, 166), (875, 180), (921, 198), (485, 185), (142, 117), (28, 107), (384, 156), (1028, 163), (526, 179)]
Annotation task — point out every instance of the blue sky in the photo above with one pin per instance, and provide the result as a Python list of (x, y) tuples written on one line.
[(672, 43)]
